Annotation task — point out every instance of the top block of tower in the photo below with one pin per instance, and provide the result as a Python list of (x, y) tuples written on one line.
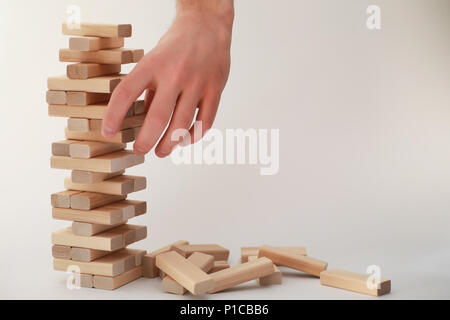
[(98, 30)]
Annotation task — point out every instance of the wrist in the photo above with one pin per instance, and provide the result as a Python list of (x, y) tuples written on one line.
[(217, 11)]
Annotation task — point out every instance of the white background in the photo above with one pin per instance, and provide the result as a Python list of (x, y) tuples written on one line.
[(364, 125)]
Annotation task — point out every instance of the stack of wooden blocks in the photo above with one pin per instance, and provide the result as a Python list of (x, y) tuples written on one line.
[(95, 195)]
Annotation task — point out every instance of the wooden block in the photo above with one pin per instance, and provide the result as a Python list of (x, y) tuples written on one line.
[(108, 163), (127, 123), (90, 229), (78, 124), (102, 215), (123, 136), (120, 185), (204, 261), (275, 278), (219, 265), (104, 84), (294, 261), (139, 182), (107, 241), (79, 176), (86, 280), (184, 272), (218, 252), (241, 273), (149, 262), (90, 149), (98, 30), (94, 43), (56, 97), (253, 251), (95, 111), (87, 255), (111, 283), (92, 200), (112, 56), (137, 55), (83, 71), (76, 98), (139, 108), (353, 281), (61, 252), (139, 207), (62, 199), (62, 148)]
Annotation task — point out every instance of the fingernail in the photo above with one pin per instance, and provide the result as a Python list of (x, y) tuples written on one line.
[(107, 132)]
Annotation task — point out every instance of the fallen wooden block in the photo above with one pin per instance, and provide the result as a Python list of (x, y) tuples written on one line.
[(121, 185), (275, 278), (253, 251), (149, 263), (62, 199), (84, 125), (98, 30), (354, 282), (90, 229), (83, 71), (123, 136), (294, 261), (111, 283), (204, 261), (61, 252), (218, 252), (219, 265), (90, 149), (62, 148), (184, 272), (95, 111), (92, 200), (79, 176), (112, 56), (104, 84), (107, 163), (86, 254), (56, 97), (241, 273), (77, 98), (94, 43)]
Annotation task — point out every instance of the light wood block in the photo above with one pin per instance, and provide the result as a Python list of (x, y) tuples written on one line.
[(92, 200), (78, 124), (95, 111), (62, 199), (62, 148), (90, 229), (353, 282), (241, 273), (87, 255), (294, 261), (218, 252), (137, 55), (123, 136), (79, 176), (94, 43), (56, 97), (219, 265), (253, 251), (86, 280), (90, 149), (96, 124), (108, 163), (204, 261), (102, 215), (275, 278), (76, 98), (111, 283), (61, 252), (83, 71), (104, 84), (149, 263), (120, 185), (184, 272), (112, 56), (98, 30), (107, 241)]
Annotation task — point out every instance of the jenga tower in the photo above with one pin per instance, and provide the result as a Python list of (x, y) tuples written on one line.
[(95, 199)]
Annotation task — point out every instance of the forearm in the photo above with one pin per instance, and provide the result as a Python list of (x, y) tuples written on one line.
[(222, 10)]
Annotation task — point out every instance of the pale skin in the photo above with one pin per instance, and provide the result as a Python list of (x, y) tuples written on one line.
[(188, 69)]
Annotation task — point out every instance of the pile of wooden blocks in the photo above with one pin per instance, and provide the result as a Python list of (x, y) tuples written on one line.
[(203, 268), (95, 195)]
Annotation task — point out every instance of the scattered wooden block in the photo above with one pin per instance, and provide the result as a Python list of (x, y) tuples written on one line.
[(253, 251), (56, 97), (104, 84), (123, 136), (149, 262), (62, 148), (92, 200), (79, 176), (94, 43), (90, 229), (184, 272), (120, 185), (241, 273), (294, 261), (108, 163), (95, 111), (275, 278), (204, 261), (83, 71), (90, 149), (87, 255), (218, 252), (112, 56), (62, 199), (61, 252), (76, 98), (111, 283), (219, 265), (353, 281), (98, 30)]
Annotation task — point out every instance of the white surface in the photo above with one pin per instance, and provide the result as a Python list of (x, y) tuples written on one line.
[(364, 125)]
